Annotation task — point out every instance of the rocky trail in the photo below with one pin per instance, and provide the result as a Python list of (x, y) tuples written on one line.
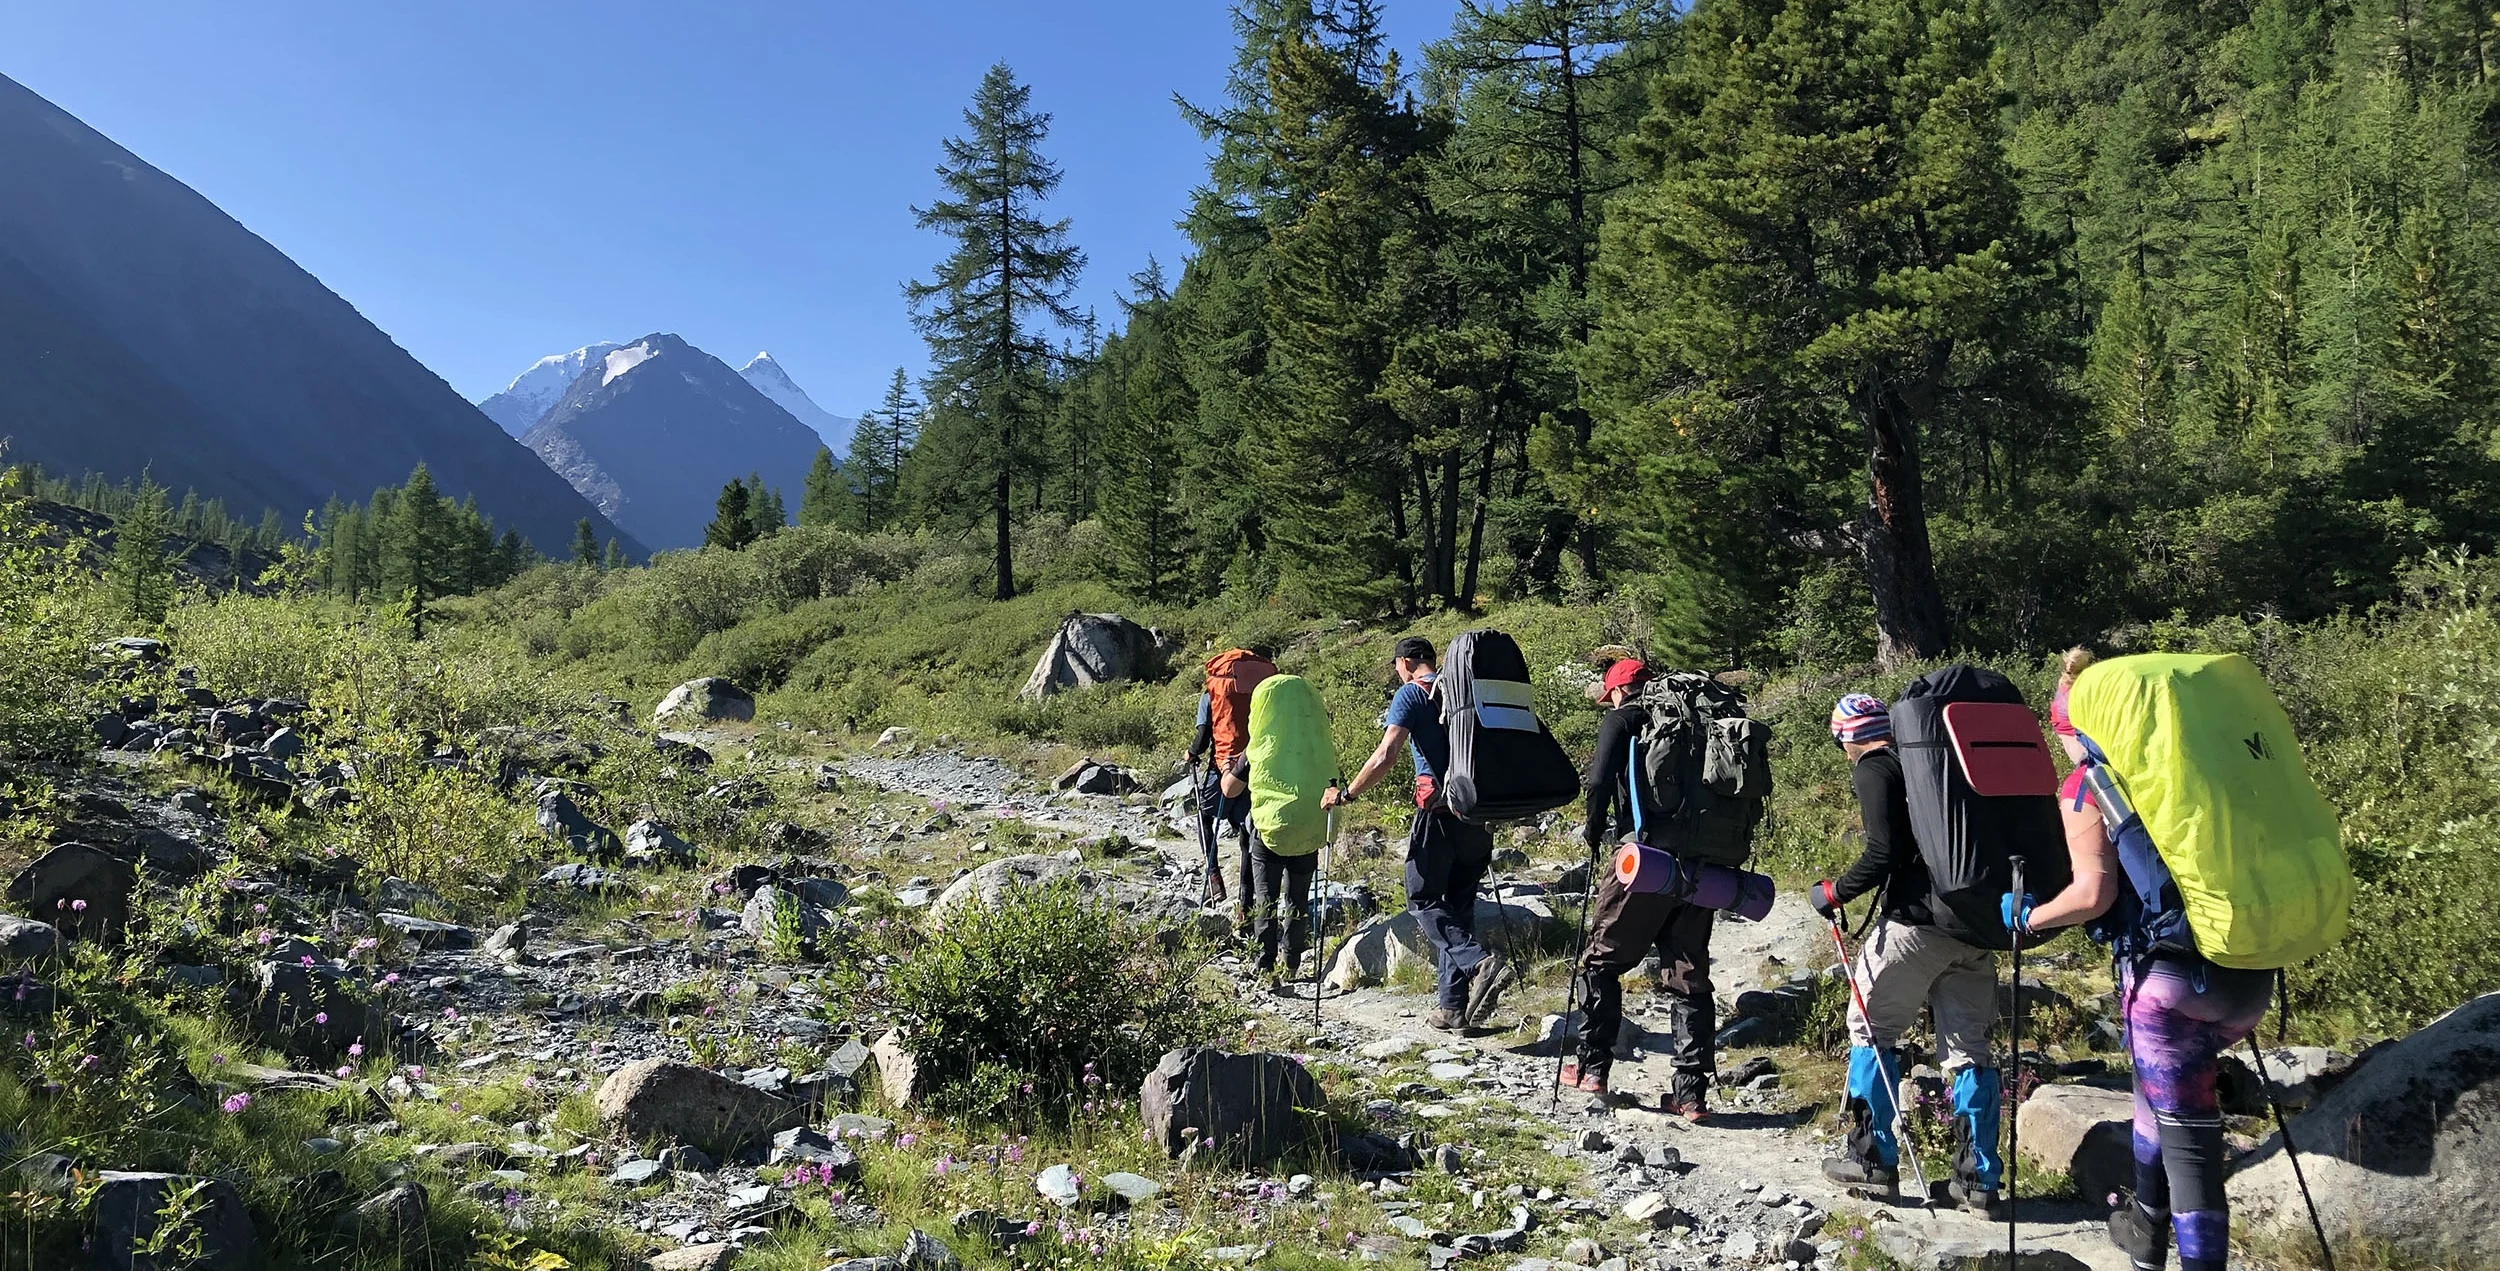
[(1749, 1178)]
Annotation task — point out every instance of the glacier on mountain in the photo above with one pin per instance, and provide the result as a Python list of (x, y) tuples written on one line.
[(773, 382), (534, 392)]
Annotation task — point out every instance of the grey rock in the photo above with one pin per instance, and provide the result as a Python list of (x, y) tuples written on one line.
[(652, 844), (25, 940), (860, 1125), (984, 885), (1059, 1186), (898, 1070), (659, 1100), (2083, 1132), (1919, 1252), (509, 941), (1255, 1107), (130, 1210), (924, 1252), (637, 1172), (1594, 1140), (395, 1216), (1586, 1252), (284, 744), (1741, 1247), (197, 977), (324, 1146), (1133, 1189), (2406, 1149), (314, 1012), (682, 1159), (1414, 1228), (771, 908), (400, 894), (426, 933), (805, 1146), (1090, 649), (710, 699), (1652, 1209), (575, 876), (717, 1255), (83, 891)]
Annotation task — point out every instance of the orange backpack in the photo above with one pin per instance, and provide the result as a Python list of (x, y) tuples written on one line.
[(1231, 677)]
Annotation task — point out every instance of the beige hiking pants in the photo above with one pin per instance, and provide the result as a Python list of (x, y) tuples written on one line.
[(1901, 968)]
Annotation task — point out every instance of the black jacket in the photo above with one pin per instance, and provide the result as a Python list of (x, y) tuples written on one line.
[(1891, 860), (1608, 779)]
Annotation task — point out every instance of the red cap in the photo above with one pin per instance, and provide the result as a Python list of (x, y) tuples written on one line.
[(1626, 673)]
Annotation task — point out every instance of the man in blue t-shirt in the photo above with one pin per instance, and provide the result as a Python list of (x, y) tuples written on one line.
[(1446, 858)]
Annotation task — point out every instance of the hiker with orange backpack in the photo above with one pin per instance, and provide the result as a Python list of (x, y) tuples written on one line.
[(2202, 853), (1233, 676)]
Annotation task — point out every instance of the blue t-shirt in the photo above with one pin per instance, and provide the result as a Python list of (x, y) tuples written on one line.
[(1416, 711)]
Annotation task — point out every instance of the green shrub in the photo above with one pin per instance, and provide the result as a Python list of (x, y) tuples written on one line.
[(1071, 997)]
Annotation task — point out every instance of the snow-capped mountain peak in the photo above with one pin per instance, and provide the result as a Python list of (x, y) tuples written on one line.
[(772, 381), (534, 392)]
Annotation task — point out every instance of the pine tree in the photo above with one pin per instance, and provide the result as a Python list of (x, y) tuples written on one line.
[(872, 474), (987, 314), (615, 558), (764, 508), (585, 543), (142, 575), (421, 548), (822, 498), (512, 555), (733, 518), (1894, 300)]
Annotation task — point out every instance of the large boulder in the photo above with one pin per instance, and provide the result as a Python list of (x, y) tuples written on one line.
[(1378, 949), (773, 904), (985, 885), (2083, 1132), (661, 1100), (898, 1070), (560, 816), (652, 845), (709, 700), (83, 891), (1256, 1108), (2406, 1150), (24, 940), (130, 1211), (1096, 648)]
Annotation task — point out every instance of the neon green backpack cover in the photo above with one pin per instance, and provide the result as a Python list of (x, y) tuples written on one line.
[(2206, 756), (1292, 760)]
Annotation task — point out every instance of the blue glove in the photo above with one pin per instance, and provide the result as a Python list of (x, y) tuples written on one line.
[(2017, 917)]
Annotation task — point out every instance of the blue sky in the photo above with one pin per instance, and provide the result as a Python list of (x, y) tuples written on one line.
[(495, 181)]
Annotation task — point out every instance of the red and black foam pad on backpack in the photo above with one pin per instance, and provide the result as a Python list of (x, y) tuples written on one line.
[(1982, 790), (1232, 676), (1504, 764)]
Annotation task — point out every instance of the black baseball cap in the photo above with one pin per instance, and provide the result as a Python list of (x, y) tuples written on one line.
[(1415, 649)]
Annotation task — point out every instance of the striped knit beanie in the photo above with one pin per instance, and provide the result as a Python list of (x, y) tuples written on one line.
[(1861, 718)]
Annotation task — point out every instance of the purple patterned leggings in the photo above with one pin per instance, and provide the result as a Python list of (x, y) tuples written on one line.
[(2180, 1018)]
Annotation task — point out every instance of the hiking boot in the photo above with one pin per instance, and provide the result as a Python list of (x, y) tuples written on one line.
[(1860, 1176), (2144, 1236), (1973, 1197), (1586, 1080), (1445, 1019), (1692, 1107), (1216, 895), (1484, 994)]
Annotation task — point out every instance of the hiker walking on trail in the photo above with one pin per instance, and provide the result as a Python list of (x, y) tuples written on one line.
[(2155, 789), (1624, 924), (1905, 963), (1446, 857), (1283, 775), (1224, 736)]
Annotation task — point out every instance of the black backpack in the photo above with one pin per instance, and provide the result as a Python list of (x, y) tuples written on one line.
[(1504, 764), (1701, 770), (1968, 839)]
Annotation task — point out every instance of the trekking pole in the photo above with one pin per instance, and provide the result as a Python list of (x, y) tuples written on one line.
[(1206, 835), (1319, 921), (1892, 1088), (1571, 993), (2265, 1080), (2014, 1124)]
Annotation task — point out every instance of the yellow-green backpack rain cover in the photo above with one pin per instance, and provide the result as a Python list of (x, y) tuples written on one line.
[(2206, 755), (1292, 760)]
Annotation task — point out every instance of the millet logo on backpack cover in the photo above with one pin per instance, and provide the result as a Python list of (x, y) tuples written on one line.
[(2257, 747)]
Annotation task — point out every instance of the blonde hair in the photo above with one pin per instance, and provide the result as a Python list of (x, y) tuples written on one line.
[(2072, 665)]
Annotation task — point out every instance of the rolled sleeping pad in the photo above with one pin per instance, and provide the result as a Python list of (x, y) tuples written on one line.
[(1643, 868)]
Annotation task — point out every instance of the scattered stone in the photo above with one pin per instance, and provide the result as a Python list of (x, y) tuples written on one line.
[(575, 876), (658, 1099), (637, 1172), (892, 737), (898, 1071), (1132, 1189), (1450, 1072), (652, 844), (1594, 1140), (1382, 946), (129, 1210), (1740, 1247), (1059, 1185), (402, 895), (1653, 1209), (425, 933), (510, 942), (716, 1256), (1586, 1252), (774, 911), (396, 1216), (809, 1147), (1389, 1048), (924, 1252), (1254, 1107), (1914, 1249), (708, 700)]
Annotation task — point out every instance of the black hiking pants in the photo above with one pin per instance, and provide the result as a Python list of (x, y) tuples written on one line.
[(1446, 860), (1281, 903), (1624, 926)]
